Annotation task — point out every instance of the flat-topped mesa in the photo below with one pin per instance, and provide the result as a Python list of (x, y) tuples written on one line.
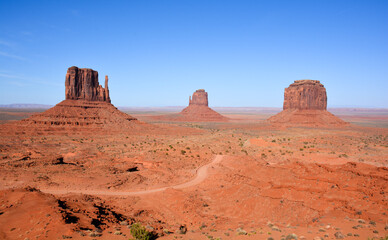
[(199, 98), (82, 84), (305, 94), (305, 103)]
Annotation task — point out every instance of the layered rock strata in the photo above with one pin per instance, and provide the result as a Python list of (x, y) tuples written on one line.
[(87, 107), (82, 84), (199, 110), (305, 103), (199, 98), (305, 94)]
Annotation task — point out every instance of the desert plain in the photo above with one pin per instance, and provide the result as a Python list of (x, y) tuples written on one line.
[(240, 179), (85, 169)]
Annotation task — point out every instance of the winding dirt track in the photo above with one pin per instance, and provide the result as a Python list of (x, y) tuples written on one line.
[(201, 175)]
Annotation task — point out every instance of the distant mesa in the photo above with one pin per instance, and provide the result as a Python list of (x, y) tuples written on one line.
[(197, 111), (305, 103), (87, 107)]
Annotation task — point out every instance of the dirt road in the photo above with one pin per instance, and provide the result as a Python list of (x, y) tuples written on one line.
[(201, 175)]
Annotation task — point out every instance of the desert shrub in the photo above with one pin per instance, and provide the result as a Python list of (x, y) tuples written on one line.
[(381, 238), (183, 152), (291, 236), (139, 232)]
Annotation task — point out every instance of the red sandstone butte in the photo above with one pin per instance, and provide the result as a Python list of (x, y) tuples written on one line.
[(199, 110), (87, 107), (305, 103), (199, 98), (305, 94), (82, 83)]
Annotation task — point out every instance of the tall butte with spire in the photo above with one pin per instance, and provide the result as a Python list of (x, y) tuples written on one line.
[(199, 110), (82, 84), (305, 103), (87, 105)]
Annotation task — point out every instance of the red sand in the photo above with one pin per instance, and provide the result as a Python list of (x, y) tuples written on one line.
[(271, 181)]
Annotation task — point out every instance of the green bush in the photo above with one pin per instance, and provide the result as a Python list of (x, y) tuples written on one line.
[(139, 232)]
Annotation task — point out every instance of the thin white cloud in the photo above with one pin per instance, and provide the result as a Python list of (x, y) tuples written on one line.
[(11, 76), (6, 43), (19, 84), (26, 80), (4, 54)]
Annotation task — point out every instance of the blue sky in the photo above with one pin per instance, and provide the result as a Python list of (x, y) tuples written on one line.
[(157, 53)]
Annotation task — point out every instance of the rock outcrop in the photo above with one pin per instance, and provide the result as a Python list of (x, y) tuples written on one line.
[(82, 84), (199, 98), (305, 103), (87, 108), (305, 94), (197, 111)]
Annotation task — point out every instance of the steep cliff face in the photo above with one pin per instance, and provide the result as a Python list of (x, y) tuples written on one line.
[(305, 94), (87, 107), (305, 104), (82, 84), (199, 98), (198, 109)]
